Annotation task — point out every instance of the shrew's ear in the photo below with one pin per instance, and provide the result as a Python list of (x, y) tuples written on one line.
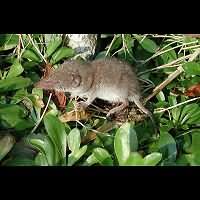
[(76, 80)]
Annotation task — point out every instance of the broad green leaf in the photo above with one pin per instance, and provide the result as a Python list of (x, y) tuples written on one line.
[(14, 84), (41, 160), (149, 45), (176, 112), (102, 156), (38, 92), (38, 144), (47, 149), (195, 118), (13, 117), (24, 124), (172, 100), (160, 96), (125, 142), (52, 46), (30, 65), (195, 148), (152, 159), (74, 157), (187, 112), (52, 153), (193, 159), (61, 53), (182, 160), (15, 70), (74, 140), (56, 131), (167, 146), (6, 143), (19, 96), (8, 41), (168, 56), (134, 159), (31, 55), (91, 160), (192, 68)]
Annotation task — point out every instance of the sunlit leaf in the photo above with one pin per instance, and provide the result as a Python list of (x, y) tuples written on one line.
[(53, 45), (15, 70), (152, 159), (31, 55), (102, 156), (61, 53), (74, 140), (125, 142), (75, 156), (8, 41), (192, 68), (6, 143), (14, 84), (56, 131)]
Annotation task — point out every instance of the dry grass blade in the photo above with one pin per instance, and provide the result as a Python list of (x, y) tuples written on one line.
[(39, 121)]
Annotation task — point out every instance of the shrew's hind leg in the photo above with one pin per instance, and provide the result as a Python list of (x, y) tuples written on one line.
[(124, 104)]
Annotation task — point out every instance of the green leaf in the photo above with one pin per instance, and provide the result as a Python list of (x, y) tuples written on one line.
[(91, 160), (74, 140), (48, 152), (13, 117), (168, 56), (102, 156), (41, 160), (61, 53), (31, 55), (195, 118), (172, 100), (8, 41), (195, 148), (38, 144), (14, 84), (75, 156), (192, 68), (134, 159), (117, 43), (167, 146), (6, 143), (15, 70), (160, 96), (148, 45), (193, 159), (187, 112), (56, 131), (53, 45), (152, 159), (125, 142), (52, 153), (176, 113)]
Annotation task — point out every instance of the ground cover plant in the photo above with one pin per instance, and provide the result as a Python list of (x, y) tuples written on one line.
[(43, 128)]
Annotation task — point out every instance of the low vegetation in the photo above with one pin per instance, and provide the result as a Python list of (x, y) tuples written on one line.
[(43, 128)]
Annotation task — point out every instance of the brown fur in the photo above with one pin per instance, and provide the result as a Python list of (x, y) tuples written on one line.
[(108, 79)]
